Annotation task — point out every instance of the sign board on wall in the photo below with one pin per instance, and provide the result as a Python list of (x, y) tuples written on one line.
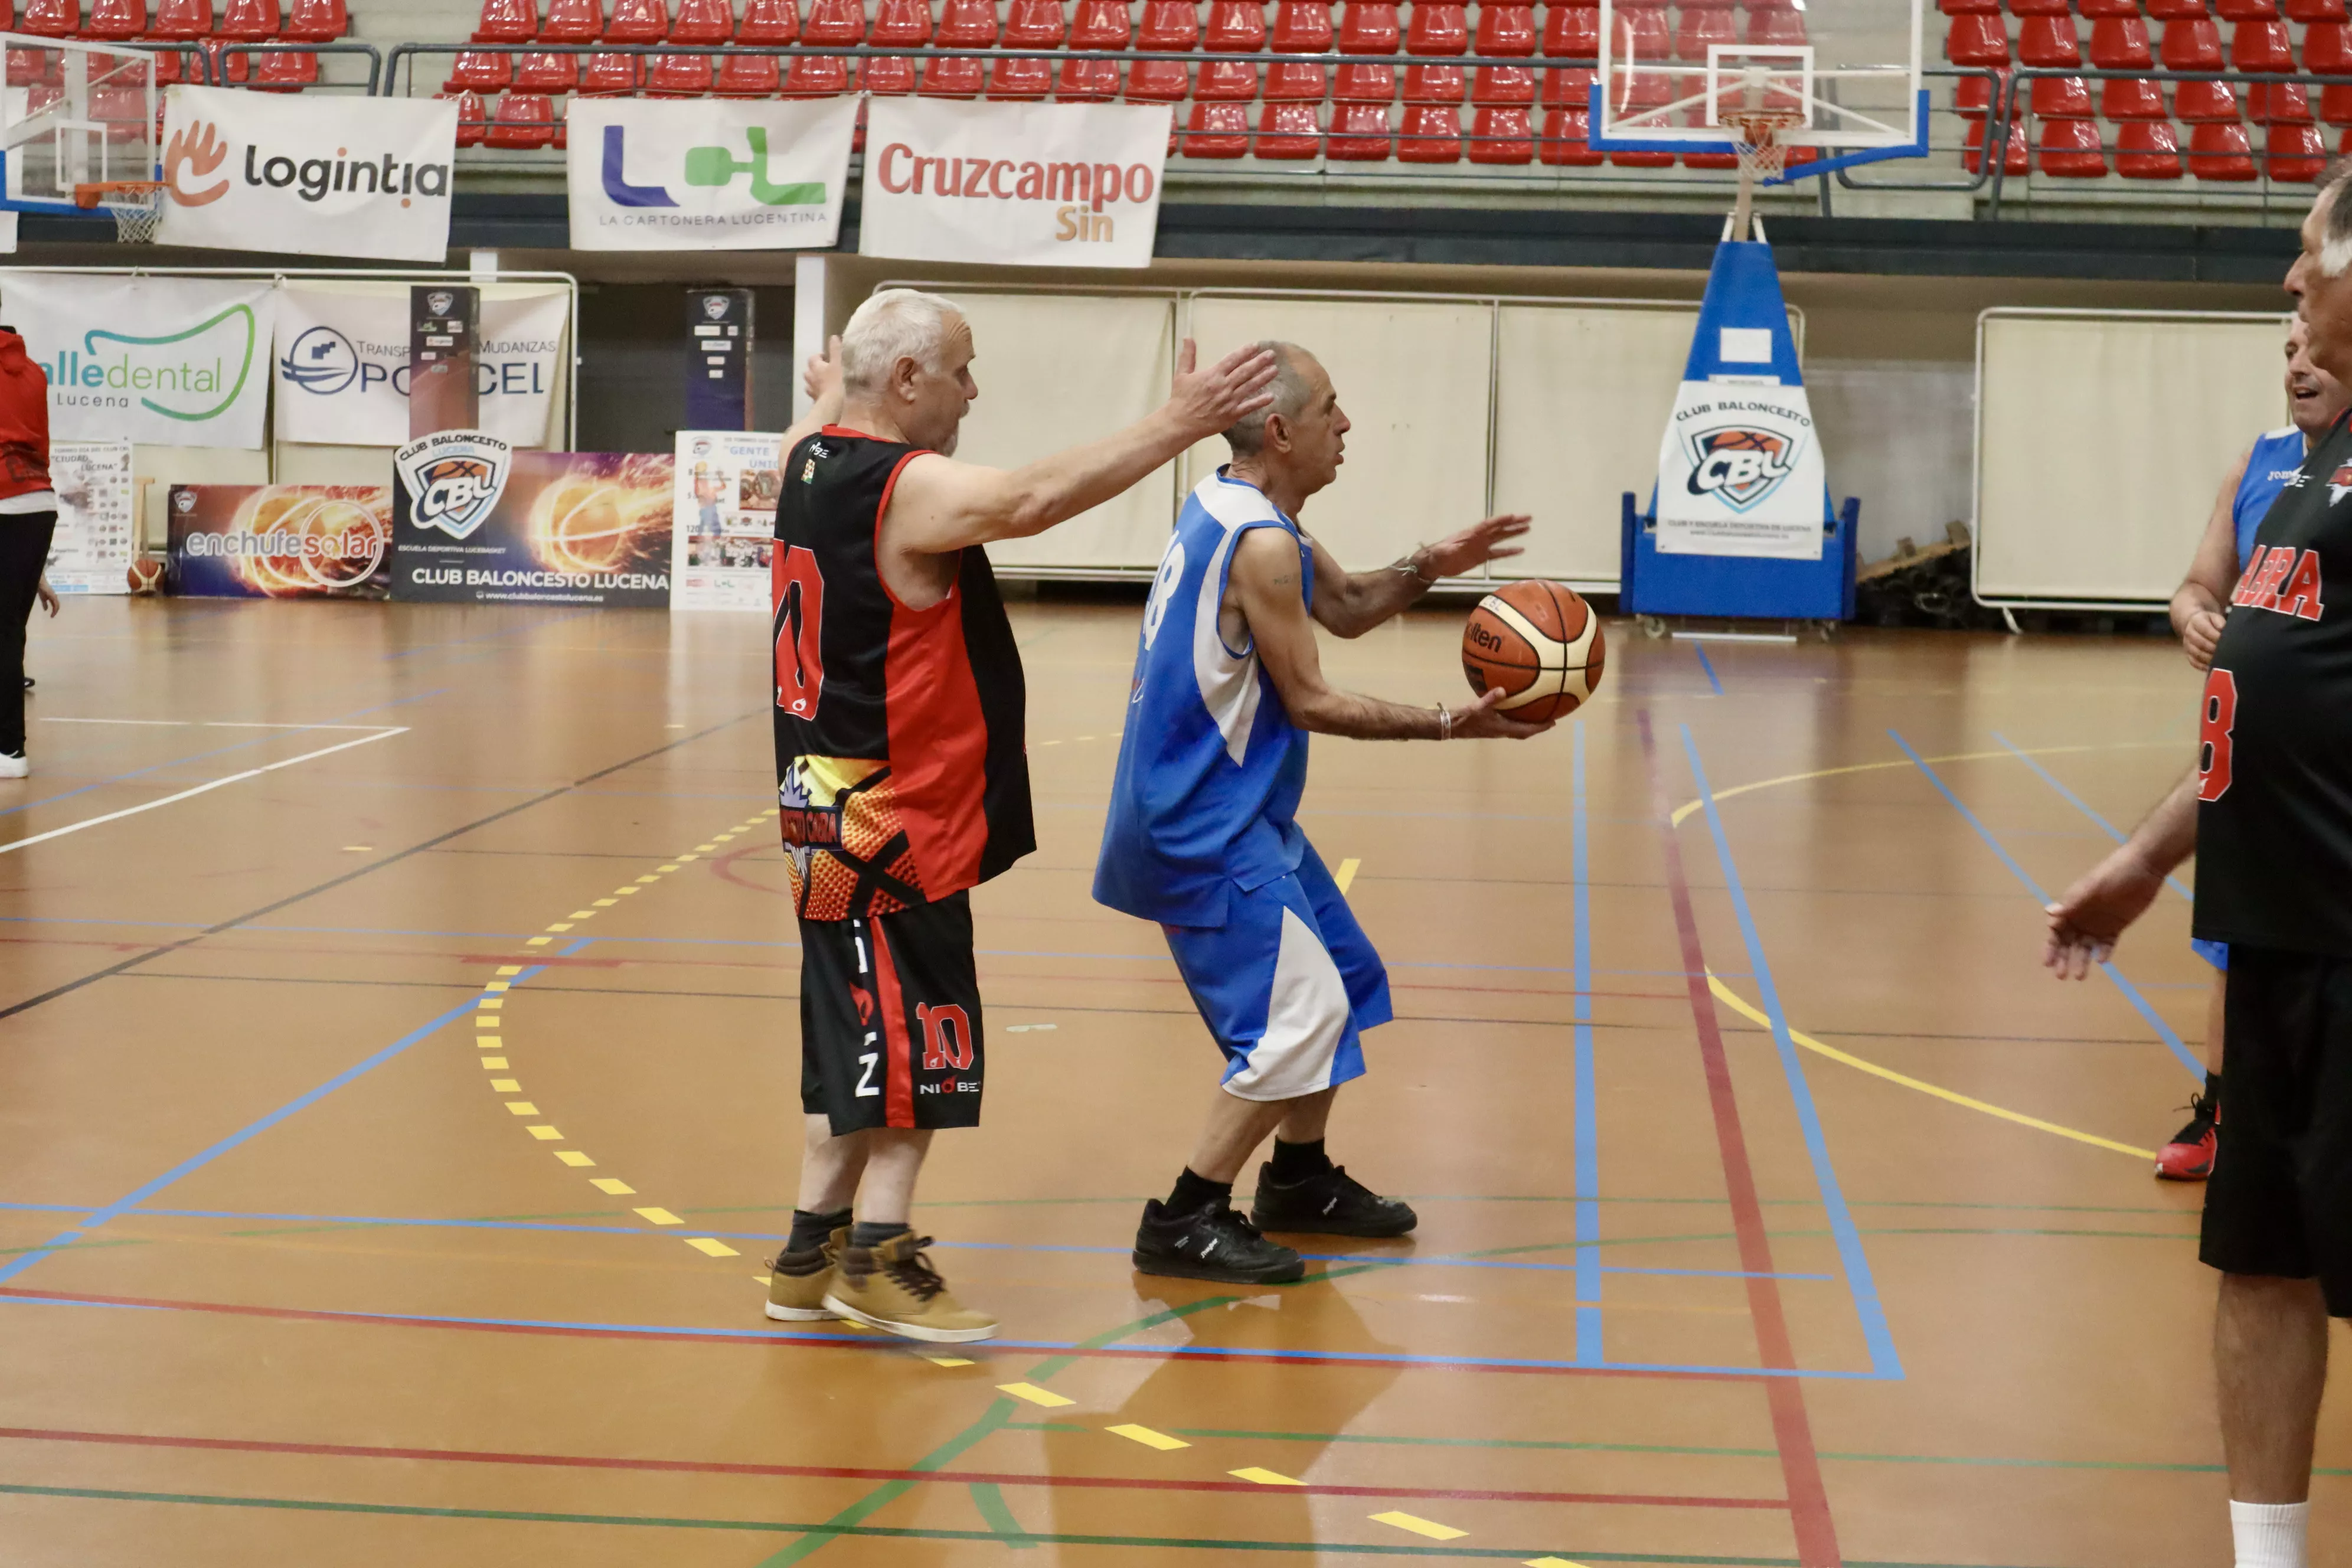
[(281, 542), (98, 534), (725, 507), (167, 361), (1021, 185), (342, 365), (718, 371), (476, 522), (308, 173), (707, 174)]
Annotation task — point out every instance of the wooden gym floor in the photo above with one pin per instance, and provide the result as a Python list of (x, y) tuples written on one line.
[(1776, 1207)]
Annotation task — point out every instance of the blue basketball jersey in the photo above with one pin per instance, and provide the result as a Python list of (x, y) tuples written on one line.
[(1210, 767), (2277, 457)]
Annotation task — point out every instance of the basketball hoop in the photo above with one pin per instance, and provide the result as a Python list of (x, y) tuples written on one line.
[(1762, 153), (137, 206)]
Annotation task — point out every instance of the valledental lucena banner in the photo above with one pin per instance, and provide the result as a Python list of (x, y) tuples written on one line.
[(708, 175), (170, 361), (307, 174), (343, 367)]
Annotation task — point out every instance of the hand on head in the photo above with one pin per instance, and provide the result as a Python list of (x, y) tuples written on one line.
[(1210, 400)]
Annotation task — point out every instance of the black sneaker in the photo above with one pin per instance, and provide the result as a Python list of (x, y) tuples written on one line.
[(1331, 1204), (1212, 1243)]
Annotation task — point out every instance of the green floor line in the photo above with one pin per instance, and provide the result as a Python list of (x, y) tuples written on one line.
[(988, 1498)]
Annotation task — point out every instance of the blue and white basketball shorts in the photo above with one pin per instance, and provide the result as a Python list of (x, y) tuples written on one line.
[(2216, 954), (1285, 986)]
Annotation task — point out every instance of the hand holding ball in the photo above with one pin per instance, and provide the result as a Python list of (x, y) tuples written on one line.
[(1538, 644)]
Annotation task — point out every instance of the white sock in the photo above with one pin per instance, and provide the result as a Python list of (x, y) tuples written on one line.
[(2270, 1534)]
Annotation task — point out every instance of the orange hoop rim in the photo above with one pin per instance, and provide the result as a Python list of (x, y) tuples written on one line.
[(1762, 127), (89, 196)]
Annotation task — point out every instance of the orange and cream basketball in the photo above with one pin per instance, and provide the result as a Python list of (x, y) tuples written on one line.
[(1539, 643)]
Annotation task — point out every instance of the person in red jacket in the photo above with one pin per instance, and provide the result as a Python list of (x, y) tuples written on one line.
[(29, 518)]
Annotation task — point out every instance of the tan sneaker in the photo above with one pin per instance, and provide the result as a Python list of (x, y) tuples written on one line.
[(797, 1281), (894, 1287)]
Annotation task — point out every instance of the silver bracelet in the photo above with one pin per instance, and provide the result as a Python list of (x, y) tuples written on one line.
[(1444, 723), (1412, 569)]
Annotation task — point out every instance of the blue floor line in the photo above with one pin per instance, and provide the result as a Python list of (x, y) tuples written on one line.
[(1864, 1287), (1591, 1346), (2131, 993), (1707, 665), (2079, 803)]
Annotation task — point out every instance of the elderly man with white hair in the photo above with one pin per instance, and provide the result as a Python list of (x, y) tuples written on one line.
[(2268, 810), (901, 769)]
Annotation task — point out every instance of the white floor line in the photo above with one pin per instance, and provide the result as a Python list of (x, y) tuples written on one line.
[(219, 724), (200, 789)]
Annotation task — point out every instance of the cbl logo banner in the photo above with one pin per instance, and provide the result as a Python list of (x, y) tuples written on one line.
[(308, 174), (172, 361), (708, 175), (341, 362), (1021, 185)]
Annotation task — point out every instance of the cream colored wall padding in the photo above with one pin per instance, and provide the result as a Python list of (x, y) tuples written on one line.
[(2102, 439), (1057, 370)]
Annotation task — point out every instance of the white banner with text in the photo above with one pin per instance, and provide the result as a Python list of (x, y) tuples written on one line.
[(708, 175), (341, 362), (159, 361)]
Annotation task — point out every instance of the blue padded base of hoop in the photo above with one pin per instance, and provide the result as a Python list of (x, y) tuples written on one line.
[(1601, 142)]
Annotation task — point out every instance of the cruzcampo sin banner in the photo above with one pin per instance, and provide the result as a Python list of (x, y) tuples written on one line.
[(169, 362), (707, 174), (475, 523)]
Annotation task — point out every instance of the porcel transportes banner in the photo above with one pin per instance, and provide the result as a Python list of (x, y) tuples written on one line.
[(170, 362), (1021, 185), (341, 362), (708, 175), (307, 174)]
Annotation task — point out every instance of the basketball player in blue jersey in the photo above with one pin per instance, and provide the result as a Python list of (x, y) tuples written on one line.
[(2198, 609), (1201, 834)]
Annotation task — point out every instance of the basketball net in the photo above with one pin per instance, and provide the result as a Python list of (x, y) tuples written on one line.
[(137, 206), (1762, 155)]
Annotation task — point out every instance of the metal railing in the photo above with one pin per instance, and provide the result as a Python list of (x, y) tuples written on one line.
[(221, 52)]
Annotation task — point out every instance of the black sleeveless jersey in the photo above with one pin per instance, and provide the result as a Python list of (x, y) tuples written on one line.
[(901, 770), (2274, 732)]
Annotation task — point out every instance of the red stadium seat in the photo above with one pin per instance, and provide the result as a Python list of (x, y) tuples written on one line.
[(1432, 133), (505, 22), (2061, 98), (470, 117), (316, 21), (1235, 27), (2049, 43), (2175, 10), (1566, 88), (2132, 98), (256, 21), (115, 19), (480, 70), (1977, 41), (1701, 30), (1296, 84), (1564, 142), (1303, 27), (748, 76), (175, 20), (2148, 150), (616, 75), (1435, 84), (1974, 95), (1168, 26), (1371, 28), (2099, 10), (704, 22), (2037, 7), (2217, 152), (568, 22), (2328, 48), (814, 76), (2261, 47), (2069, 150), (2120, 44), (1438, 27), (2309, 10), (1972, 149), (1502, 134), (2294, 154), (1504, 87), (678, 76), (52, 18), (1507, 30), (1288, 129), (1225, 81), (523, 119), (1783, 28), (1024, 78), (1572, 32), (637, 22), (1644, 35), (2246, 10), (2192, 45), (546, 73), (1359, 131), (1217, 131), (767, 22), (2205, 103), (898, 24), (1957, 7), (2278, 103), (285, 70), (1099, 25)]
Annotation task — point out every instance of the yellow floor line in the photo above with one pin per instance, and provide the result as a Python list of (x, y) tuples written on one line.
[(1148, 1438), (1265, 1478), (712, 1247), (1346, 873), (1034, 1395), (1548, 1562), (1419, 1526)]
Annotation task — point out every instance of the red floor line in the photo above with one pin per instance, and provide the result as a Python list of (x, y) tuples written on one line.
[(1801, 1470), (861, 1473), (862, 1346)]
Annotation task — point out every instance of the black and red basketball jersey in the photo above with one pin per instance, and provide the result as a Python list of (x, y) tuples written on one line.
[(2275, 731), (900, 764)]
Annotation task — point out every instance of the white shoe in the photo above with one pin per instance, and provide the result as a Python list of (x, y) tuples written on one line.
[(15, 766)]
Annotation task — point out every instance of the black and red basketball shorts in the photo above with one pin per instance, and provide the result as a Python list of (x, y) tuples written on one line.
[(890, 1032)]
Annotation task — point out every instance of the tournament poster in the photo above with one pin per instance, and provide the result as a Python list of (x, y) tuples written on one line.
[(475, 521), (725, 505), (281, 542), (98, 536)]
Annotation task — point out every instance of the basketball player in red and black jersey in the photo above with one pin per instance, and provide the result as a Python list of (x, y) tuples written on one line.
[(2268, 811), (901, 770)]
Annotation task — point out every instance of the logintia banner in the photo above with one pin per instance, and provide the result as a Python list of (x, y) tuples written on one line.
[(307, 174), (170, 361), (1019, 184), (341, 362), (708, 175)]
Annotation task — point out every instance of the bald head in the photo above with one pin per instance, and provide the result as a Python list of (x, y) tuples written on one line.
[(1293, 385)]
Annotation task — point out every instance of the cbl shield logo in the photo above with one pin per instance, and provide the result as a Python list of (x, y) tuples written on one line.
[(453, 479), (1739, 464), (710, 168)]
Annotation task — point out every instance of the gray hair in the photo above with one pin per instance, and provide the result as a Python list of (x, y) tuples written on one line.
[(2335, 251), (892, 326), (1247, 436)]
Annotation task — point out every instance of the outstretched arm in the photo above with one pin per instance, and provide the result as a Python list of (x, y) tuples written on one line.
[(2202, 601), (1349, 604), (2092, 914), (1263, 585), (822, 377), (941, 505)]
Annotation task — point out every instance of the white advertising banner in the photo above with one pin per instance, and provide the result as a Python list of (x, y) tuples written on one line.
[(307, 174), (1018, 184), (1740, 473), (97, 534), (724, 520), (341, 362), (708, 175), (170, 361)]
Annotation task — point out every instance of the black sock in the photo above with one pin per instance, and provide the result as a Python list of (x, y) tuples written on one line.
[(1194, 1193), (1295, 1163), (2213, 1087), (870, 1233), (811, 1230)]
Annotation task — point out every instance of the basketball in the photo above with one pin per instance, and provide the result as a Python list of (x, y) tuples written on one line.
[(1540, 644), (146, 574)]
